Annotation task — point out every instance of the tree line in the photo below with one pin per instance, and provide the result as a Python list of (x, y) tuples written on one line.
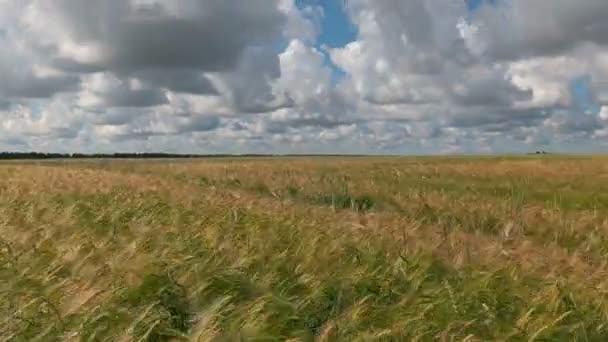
[(147, 155), (42, 155)]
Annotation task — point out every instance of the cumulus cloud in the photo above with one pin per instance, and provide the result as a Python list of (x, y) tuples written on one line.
[(186, 81), (55, 120), (420, 76), (24, 77), (517, 29), (102, 90), (249, 87), (304, 74), (485, 71), (103, 34)]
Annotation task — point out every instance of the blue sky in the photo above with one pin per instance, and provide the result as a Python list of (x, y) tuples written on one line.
[(337, 30), (581, 93), (473, 5)]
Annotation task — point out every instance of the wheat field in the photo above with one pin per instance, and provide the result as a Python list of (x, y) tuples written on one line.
[(305, 249)]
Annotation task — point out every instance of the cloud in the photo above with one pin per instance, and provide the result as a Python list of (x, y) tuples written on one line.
[(178, 81), (13, 141), (437, 63), (23, 77), (600, 92), (421, 76), (573, 123), (249, 87), (497, 120), (4, 105), (28, 85), (167, 43), (104, 90), (135, 35), (157, 125), (411, 52), (125, 61), (302, 23), (56, 120), (517, 29), (303, 73)]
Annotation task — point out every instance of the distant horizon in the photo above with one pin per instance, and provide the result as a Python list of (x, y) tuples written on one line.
[(4, 155)]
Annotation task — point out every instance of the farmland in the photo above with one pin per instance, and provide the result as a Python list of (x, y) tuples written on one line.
[(303, 249)]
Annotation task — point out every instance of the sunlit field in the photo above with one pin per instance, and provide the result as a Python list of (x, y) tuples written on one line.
[(305, 249)]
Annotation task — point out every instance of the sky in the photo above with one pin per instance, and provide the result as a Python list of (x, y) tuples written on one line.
[(411, 77)]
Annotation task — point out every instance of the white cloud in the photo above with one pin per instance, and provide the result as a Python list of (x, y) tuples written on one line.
[(422, 76), (304, 76), (302, 23)]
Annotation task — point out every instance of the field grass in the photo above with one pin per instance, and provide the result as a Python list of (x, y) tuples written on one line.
[(310, 249)]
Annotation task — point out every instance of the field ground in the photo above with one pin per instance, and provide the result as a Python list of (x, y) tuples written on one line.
[(324, 249)]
